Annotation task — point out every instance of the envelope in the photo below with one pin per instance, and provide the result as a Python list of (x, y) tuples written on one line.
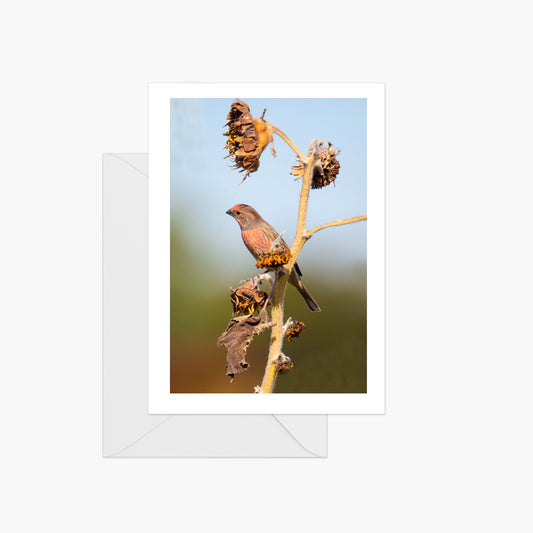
[(128, 429)]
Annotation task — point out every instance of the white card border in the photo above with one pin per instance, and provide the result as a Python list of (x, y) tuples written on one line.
[(160, 400)]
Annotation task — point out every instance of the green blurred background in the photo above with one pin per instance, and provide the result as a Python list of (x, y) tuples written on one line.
[(207, 254)]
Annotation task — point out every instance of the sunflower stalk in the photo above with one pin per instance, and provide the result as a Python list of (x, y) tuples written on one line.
[(277, 301)]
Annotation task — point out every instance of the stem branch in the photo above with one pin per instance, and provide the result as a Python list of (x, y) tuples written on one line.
[(275, 129), (335, 223)]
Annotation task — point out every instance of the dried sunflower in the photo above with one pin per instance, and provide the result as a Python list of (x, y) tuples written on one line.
[(247, 137), (274, 259), (283, 364), (247, 299), (326, 168)]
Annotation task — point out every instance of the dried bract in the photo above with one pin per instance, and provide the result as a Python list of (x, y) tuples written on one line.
[(247, 137), (283, 364), (294, 330)]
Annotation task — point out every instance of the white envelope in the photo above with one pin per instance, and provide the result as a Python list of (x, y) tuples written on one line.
[(128, 429)]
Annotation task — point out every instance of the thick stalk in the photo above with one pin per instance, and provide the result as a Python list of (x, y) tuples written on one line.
[(276, 339)]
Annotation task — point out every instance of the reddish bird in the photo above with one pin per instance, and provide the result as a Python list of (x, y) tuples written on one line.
[(258, 236)]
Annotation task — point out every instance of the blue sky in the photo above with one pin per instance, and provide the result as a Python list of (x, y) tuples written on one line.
[(203, 184)]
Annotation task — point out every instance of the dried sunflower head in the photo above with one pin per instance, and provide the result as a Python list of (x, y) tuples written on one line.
[(274, 259), (283, 364), (247, 137), (247, 299), (326, 168), (294, 330)]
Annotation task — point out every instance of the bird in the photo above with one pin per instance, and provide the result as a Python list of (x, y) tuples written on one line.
[(258, 236)]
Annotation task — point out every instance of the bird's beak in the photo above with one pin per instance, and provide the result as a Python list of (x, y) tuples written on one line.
[(230, 213)]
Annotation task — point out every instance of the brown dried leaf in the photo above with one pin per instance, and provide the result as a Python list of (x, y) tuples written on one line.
[(237, 338)]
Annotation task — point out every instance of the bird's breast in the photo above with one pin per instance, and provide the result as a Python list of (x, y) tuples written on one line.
[(256, 241)]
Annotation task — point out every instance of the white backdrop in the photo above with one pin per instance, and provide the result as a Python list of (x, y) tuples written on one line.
[(453, 452)]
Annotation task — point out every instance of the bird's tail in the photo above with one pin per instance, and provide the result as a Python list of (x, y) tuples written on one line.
[(302, 289), (309, 300)]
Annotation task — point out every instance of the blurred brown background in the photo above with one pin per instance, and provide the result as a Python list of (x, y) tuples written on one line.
[(329, 356)]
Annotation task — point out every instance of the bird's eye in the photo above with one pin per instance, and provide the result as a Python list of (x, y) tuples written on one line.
[(237, 212)]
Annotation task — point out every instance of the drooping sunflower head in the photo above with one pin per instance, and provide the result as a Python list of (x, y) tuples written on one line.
[(247, 137), (248, 299)]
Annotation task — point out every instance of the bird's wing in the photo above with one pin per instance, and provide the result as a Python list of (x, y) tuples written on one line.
[(274, 235)]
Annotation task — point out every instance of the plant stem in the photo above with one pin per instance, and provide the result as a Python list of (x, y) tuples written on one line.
[(304, 199), (276, 339), (335, 223), (275, 129)]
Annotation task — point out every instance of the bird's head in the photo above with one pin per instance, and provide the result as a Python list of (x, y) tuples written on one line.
[(244, 215)]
